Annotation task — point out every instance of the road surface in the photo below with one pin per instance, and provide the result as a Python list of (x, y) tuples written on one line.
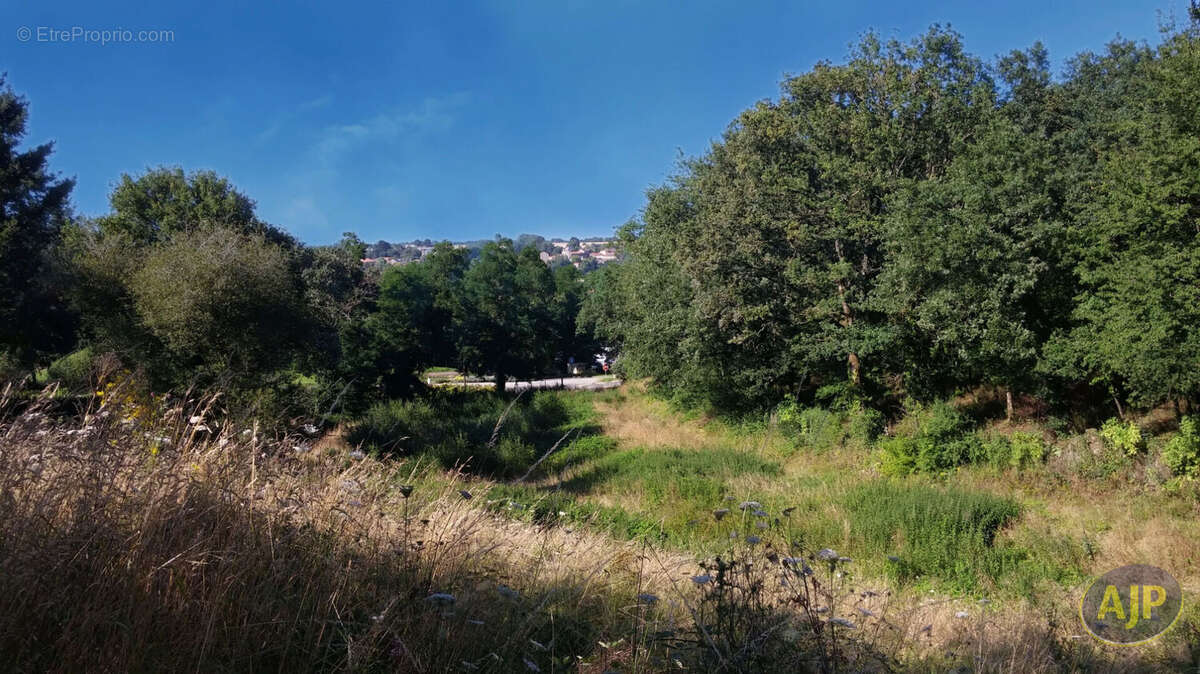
[(597, 383)]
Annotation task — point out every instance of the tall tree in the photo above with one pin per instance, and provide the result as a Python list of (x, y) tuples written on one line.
[(1137, 318), (33, 207), (506, 321), (165, 201)]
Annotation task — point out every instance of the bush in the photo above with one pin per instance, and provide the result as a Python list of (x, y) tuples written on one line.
[(1020, 450), (1123, 435), (812, 427), (930, 439), (1027, 449), (456, 428), (74, 370), (1182, 453), (866, 424)]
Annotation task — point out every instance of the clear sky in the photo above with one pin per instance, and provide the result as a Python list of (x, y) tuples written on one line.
[(401, 120)]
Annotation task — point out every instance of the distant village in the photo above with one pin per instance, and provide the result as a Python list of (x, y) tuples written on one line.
[(584, 254)]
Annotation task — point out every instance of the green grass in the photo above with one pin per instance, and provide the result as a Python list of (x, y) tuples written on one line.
[(933, 531), (455, 428), (957, 540)]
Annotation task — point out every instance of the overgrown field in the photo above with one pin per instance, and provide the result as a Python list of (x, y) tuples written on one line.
[(998, 522), (150, 534)]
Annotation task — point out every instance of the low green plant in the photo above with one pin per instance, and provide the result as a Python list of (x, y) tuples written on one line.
[(1182, 452), (933, 532), (930, 439), (1123, 435), (866, 424), (1026, 449), (811, 427), (464, 428), (73, 370)]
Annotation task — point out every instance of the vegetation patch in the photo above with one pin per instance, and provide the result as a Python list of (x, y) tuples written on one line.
[(457, 428), (930, 532)]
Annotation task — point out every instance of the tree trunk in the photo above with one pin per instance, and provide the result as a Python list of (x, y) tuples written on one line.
[(847, 321), (1120, 410), (1008, 405), (501, 381)]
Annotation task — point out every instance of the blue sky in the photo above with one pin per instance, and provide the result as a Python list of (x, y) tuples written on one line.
[(456, 120)]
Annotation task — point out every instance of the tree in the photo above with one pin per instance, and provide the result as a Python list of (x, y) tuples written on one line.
[(225, 306), (34, 321), (412, 323), (183, 280), (506, 318), (783, 223), (166, 201), (975, 262), (1136, 321), (574, 339)]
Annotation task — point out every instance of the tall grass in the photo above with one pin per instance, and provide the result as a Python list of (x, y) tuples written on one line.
[(456, 428), (933, 532), (197, 545)]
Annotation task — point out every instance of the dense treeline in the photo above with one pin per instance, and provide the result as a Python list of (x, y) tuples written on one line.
[(183, 285), (908, 223), (915, 221)]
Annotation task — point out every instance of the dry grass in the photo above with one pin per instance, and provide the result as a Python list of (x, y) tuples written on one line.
[(220, 551), (642, 421)]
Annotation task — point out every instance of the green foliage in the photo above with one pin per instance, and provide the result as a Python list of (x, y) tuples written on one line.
[(866, 424), (1124, 436), (455, 428), (33, 208), (812, 427), (1020, 450), (73, 370), (930, 439), (1182, 452), (932, 532), (1136, 319), (946, 225), (165, 201), (1028, 450), (507, 315), (225, 307)]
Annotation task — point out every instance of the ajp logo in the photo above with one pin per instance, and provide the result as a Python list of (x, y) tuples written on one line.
[(1131, 605)]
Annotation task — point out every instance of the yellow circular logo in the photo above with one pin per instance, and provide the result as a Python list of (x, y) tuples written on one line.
[(1131, 605)]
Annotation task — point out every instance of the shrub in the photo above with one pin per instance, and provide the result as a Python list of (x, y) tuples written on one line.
[(73, 370), (1123, 435), (812, 427), (1027, 449), (930, 439), (866, 424), (1182, 453)]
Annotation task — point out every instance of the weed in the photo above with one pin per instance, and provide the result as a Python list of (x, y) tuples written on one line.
[(1125, 436), (1182, 452), (933, 532)]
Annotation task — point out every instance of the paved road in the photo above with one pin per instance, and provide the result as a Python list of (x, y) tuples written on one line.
[(597, 383)]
